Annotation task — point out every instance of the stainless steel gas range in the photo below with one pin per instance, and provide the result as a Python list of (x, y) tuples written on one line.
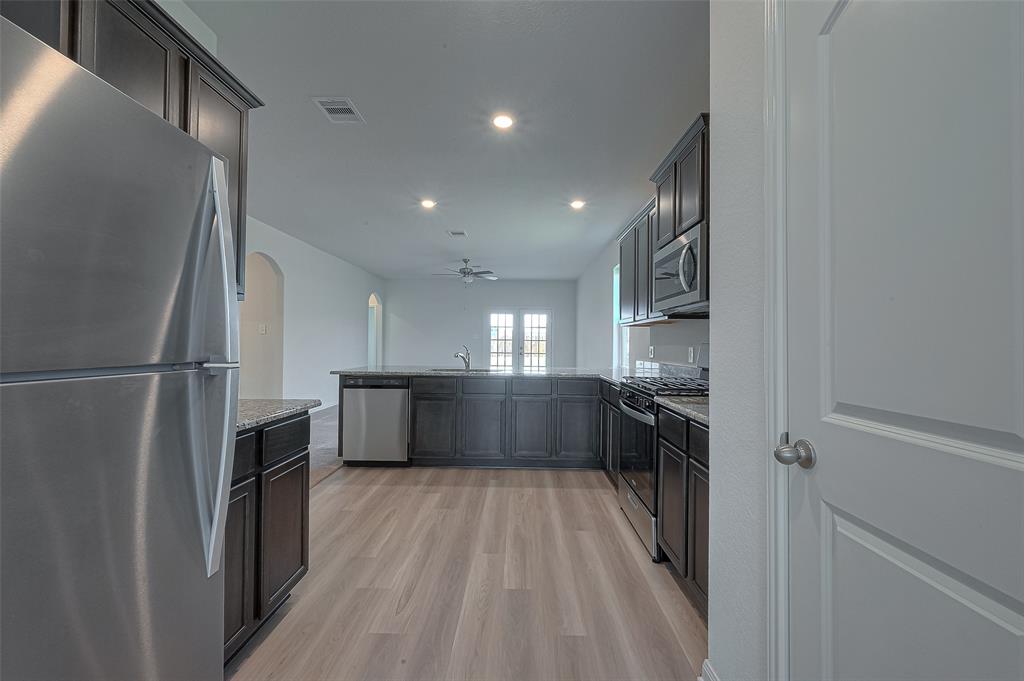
[(638, 439)]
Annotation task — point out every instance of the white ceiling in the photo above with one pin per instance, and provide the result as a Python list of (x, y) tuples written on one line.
[(600, 90)]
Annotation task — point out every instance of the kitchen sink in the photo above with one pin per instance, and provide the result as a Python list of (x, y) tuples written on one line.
[(464, 371)]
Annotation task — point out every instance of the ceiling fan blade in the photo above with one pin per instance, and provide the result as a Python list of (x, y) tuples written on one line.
[(489, 277), (445, 274), (482, 272)]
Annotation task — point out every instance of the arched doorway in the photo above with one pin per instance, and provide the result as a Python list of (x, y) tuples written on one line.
[(261, 325), (374, 335)]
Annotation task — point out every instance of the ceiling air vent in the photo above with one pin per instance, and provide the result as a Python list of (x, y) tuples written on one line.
[(338, 109), (456, 233)]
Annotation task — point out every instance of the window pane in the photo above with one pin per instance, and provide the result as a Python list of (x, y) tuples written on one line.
[(535, 335), (500, 340)]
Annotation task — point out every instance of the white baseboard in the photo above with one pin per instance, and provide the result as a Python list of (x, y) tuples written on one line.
[(707, 672)]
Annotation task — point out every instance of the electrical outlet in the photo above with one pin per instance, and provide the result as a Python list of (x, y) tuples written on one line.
[(691, 354), (262, 329), (650, 352)]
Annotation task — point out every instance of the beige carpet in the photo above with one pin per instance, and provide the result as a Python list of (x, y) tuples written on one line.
[(323, 444)]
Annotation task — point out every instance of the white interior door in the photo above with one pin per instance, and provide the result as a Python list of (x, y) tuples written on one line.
[(905, 300)]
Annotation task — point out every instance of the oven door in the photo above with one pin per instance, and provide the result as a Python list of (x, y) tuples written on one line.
[(680, 273), (637, 452)]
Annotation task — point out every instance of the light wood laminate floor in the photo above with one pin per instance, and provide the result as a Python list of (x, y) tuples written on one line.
[(430, 573)]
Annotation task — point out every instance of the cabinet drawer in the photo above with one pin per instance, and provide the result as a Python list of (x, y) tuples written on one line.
[(483, 386), (283, 439), (698, 445), (438, 386), (672, 428), (531, 386), (577, 386), (245, 456)]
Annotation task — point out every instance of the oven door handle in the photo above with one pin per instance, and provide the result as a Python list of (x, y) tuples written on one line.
[(636, 414)]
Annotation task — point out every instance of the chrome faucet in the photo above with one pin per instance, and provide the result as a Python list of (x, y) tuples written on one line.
[(465, 356)]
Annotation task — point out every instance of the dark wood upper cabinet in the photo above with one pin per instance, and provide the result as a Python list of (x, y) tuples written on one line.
[(138, 48), (220, 119), (123, 46), (48, 20), (627, 276), (240, 566), (643, 268), (284, 530), (690, 184), (664, 196)]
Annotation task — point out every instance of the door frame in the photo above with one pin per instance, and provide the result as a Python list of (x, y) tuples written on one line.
[(776, 336)]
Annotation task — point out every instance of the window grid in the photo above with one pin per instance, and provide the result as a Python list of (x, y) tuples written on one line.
[(501, 341), (535, 341)]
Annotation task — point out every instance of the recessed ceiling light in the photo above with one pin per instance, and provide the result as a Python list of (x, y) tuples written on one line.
[(577, 204), (428, 203), (503, 121)]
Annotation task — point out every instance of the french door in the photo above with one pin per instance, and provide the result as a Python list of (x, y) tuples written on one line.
[(519, 340), (903, 146)]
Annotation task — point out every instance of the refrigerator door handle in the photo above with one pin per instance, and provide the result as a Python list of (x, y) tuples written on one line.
[(224, 466), (228, 294)]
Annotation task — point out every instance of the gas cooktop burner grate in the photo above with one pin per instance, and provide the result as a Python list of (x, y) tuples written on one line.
[(670, 386)]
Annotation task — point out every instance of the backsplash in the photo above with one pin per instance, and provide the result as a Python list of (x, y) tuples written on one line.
[(671, 341)]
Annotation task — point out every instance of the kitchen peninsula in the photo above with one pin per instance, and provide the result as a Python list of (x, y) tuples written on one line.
[(474, 417)]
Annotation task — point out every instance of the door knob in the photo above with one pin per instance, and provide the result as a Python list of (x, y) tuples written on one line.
[(800, 452)]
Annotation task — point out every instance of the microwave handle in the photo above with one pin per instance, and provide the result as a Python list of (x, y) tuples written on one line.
[(682, 256)]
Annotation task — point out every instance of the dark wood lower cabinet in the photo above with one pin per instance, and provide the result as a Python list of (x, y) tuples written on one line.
[(240, 567), (683, 502), (532, 427), (432, 432), (284, 530), (672, 482), (266, 539), (698, 490), (482, 427), (578, 427)]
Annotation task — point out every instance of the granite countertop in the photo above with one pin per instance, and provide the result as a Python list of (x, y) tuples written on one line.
[(695, 408), (253, 413), (613, 375)]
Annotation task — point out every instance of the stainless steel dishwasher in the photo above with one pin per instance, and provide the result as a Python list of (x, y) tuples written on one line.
[(375, 420)]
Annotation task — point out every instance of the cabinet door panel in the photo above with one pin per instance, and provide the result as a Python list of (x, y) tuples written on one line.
[(45, 19), (220, 119), (240, 567), (126, 49), (627, 276), (284, 530), (577, 427), (672, 504), (697, 536), (483, 426), (643, 269), (613, 454), (433, 426), (690, 185), (665, 198), (532, 427)]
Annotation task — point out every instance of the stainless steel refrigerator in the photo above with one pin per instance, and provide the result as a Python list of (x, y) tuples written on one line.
[(118, 362)]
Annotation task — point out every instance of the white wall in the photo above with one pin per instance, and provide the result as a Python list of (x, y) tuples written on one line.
[(325, 311), (595, 310), (427, 320), (737, 617), (672, 341), (261, 329), (191, 22)]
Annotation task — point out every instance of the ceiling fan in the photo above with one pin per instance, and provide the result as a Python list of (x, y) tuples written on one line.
[(468, 273)]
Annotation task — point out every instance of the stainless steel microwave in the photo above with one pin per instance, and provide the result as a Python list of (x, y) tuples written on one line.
[(680, 274)]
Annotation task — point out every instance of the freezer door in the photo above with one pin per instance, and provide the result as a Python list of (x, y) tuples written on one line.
[(110, 491), (111, 241)]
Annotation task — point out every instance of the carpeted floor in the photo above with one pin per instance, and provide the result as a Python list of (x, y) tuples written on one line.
[(323, 444)]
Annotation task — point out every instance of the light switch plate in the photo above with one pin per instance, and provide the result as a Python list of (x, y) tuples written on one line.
[(262, 329), (650, 352), (691, 354)]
